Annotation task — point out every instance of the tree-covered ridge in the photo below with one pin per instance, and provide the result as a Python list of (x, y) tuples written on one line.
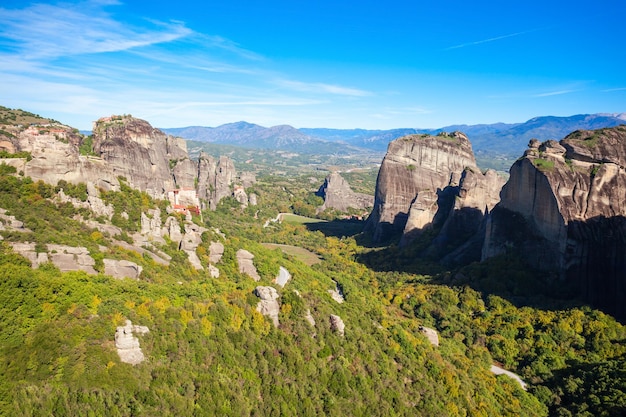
[(209, 352)]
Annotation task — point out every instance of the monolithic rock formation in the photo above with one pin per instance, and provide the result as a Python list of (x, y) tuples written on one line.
[(128, 345), (215, 178), (338, 195), (432, 183), (564, 210), (415, 164), (137, 151), (268, 306), (123, 147)]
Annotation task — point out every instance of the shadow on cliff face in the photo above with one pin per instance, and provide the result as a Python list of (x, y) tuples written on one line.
[(595, 262)]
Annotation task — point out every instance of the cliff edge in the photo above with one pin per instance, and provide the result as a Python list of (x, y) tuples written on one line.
[(564, 210)]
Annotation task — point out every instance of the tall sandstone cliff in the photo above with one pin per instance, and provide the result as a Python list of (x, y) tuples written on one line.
[(338, 195), (564, 210), (432, 183), (123, 146)]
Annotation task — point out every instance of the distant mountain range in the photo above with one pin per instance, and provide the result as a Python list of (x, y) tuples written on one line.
[(497, 138)]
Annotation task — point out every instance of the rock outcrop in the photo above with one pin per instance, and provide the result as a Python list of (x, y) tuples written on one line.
[(246, 266), (128, 345), (336, 293), (135, 150), (216, 251), (70, 258), (432, 183), (123, 147), (338, 195), (415, 164), (122, 269), (564, 210), (268, 306), (431, 335), (215, 178), (337, 325)]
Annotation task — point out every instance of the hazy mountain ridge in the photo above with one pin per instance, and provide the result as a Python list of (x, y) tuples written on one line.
[(496, 138), (283, 137)]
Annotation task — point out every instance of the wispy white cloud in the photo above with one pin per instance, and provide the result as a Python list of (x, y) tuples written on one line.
[(322, 88), (610, 90), (48, 31), (554, 93), (495, 38)]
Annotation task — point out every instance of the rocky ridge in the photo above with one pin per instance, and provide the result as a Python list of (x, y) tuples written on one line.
[(123, 147)]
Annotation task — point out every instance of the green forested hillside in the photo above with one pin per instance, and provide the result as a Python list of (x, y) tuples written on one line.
[(209, 352)]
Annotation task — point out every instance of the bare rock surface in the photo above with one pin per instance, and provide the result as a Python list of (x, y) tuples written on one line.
[(431, 335), (309, 317), (191, 239), (336, 293), (337, 325), (122, 269), (414, 164), (566, 212), (134, 149), (127, 147), (70, 258), (128, 345), (214, 272), (338, 195), (11, 223), (268, 306), (216, 251), (215, 178), (246, 266)]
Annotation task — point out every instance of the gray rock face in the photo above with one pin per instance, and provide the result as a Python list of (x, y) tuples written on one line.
[(151, 224), (128, 345), (134, 149), (564, 210), (336, 293), (93, 203), (414, 164), (252, 199), (246, 266), (215, 178), (309, 318), (69, 258), (126, 147), (122, 269), (338, 195), (191, 239), (460, 239), (216, 250), (10, 222), (240, 195), (337, 325), (268, 306), (431, 335)]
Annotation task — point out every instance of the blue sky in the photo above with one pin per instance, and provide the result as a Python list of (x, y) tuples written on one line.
[(339, 64)]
